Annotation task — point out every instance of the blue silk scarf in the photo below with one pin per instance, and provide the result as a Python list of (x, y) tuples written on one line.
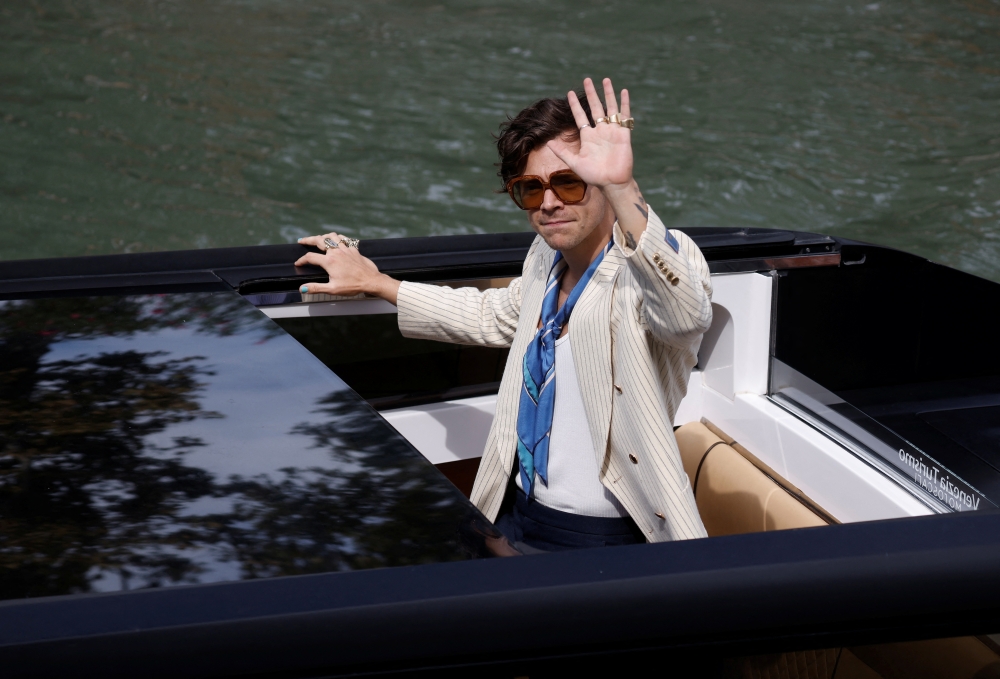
[(538, 393)]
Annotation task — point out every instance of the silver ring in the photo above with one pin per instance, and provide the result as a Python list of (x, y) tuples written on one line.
[(350, 242), (328, 242)]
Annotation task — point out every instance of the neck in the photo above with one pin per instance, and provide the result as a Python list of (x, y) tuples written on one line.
[(581, 256)]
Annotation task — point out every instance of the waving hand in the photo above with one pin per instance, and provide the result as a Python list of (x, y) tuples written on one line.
[(604, 156)]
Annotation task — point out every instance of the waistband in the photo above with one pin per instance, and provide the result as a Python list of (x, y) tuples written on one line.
[(594, 525)]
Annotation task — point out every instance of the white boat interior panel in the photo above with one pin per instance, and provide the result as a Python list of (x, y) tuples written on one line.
[(448, 431), (353, 307)]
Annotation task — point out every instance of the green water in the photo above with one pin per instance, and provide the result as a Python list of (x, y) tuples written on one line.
[(130, 125)]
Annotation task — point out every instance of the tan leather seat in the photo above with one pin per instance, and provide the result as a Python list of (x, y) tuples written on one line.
[(733, 495)]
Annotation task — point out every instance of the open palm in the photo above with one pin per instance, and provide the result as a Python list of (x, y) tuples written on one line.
[(604, 155)]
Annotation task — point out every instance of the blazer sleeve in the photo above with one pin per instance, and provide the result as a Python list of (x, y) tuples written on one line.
[(462, 316), (675, 282)]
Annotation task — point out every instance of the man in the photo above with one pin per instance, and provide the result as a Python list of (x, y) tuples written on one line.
[(584, 429)]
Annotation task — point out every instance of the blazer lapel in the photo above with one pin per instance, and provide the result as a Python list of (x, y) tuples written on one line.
[(533, 292), (590, 328)]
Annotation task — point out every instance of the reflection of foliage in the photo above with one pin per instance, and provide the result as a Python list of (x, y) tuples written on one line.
[(73, 473), (79, 490), (86, 497), (382, 506)]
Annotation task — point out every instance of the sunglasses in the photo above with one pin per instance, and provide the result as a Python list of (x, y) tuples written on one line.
[(528, 191)]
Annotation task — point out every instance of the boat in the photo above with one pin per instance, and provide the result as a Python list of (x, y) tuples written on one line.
[(206, 473)]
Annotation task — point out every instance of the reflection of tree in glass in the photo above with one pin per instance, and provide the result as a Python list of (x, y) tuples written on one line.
[(383, 506), (87, 502), (81, 493)]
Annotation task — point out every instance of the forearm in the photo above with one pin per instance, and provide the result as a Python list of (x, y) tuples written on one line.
[(675, 282), (630, 210), (461, 316)]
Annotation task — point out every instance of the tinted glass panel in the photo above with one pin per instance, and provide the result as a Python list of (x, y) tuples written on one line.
[(865, 333), (390, 370), (922, 469), (157, 440)]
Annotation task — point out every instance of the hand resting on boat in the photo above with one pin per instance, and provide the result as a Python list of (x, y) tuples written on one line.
[(351, 273)]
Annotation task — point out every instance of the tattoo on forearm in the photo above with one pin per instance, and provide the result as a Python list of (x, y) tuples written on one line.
[(641, 205), (630, 240)]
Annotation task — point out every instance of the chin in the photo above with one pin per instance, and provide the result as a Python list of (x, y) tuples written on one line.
[(561, 239)]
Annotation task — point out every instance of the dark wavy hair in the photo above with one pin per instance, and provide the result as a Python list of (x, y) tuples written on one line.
[(539, 123)]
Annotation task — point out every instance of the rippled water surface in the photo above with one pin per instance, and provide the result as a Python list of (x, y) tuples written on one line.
[(130, 125)]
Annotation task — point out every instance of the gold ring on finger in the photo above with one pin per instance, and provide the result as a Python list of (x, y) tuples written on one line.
[(602, 119), (628, 122), (328, 242), (615, 118)]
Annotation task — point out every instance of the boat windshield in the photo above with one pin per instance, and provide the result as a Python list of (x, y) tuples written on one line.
[(156, 440)]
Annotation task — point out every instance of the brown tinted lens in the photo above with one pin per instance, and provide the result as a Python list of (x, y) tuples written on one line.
[(527, 193), (569, 187)]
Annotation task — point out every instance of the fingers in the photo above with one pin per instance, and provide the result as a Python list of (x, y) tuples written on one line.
[(579, 115), (609, 97), (596, 109), (312, 258), (317, 241), (626, 109)]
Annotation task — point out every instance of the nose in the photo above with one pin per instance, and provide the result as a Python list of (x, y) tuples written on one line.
[(550, 201)]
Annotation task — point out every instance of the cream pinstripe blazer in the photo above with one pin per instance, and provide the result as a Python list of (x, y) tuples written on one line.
[(635, 340)]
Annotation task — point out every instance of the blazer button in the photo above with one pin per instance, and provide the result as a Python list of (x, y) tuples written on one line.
[(675, 280), (634, 459), (659, 516), (618, 389), (656, 257)]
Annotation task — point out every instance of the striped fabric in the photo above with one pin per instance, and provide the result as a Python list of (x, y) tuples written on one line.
[(538, 395), (635, 340)]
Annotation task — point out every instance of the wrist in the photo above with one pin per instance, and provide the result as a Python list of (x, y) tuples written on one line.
[(384, 287), (622, 191), (374, 284)]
